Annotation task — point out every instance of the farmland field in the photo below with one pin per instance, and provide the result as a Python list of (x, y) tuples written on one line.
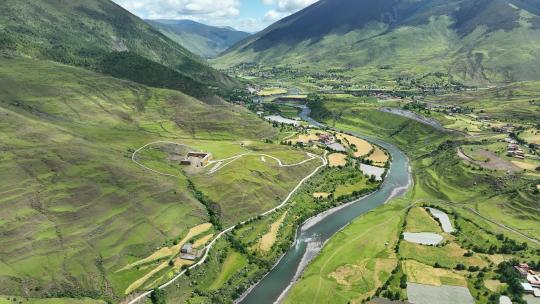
[(419, 220), (422, 274), (440, 177), (337, 159)]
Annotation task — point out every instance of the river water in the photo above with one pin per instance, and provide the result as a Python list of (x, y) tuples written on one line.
[(314, 233)]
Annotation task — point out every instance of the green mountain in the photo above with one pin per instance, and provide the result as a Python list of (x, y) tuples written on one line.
[(74, 207), (100, 35), (473, 40), (203, 40)]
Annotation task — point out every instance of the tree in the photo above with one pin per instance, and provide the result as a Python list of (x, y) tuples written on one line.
[(157, 296)]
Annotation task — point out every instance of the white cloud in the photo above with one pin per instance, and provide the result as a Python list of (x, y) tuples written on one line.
[(284, 8), (187, 9), (293, 5), (214, 12)]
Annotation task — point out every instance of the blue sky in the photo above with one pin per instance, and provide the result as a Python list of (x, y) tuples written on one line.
[(247, 15)]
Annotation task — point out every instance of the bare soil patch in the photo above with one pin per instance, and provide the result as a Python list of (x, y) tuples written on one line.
[(493, 162), (337, 159), (379, 157), (268, 240), (321, 194), (363, 147), (202, 241)]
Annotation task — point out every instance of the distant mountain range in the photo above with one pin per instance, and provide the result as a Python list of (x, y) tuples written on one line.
[(102, 36), (473, 40), (203, 40)]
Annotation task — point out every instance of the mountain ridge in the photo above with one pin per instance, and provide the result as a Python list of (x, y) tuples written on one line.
[(457, 37), (89, 33), (202, 39)]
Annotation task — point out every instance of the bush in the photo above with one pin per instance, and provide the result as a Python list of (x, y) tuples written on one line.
[(158, 296)]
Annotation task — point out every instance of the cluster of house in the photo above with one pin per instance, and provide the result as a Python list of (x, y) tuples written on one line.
[(327, 139), (189, 253), (449, 109), (330, 141), (515, 151), (533, 280), (504, 129), (253, 90), (196, 159)]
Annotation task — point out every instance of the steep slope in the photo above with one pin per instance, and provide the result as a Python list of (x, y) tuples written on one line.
[(203, 40), (99, 34), (474, 40), (73, 206)]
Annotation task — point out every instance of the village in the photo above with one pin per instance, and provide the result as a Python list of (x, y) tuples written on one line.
[(531, 284)]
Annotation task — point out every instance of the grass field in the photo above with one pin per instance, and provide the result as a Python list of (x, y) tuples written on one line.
[(249, 186), (83, 208), (447, 256), (241, 187), (352, 265), (531, 136), (232, 264), (420, 220), (422, 274), (272, 91)]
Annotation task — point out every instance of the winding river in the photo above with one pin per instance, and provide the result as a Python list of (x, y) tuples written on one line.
[(314, 233)]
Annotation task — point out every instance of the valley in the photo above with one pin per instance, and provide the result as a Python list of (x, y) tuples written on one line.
[(349, 152)]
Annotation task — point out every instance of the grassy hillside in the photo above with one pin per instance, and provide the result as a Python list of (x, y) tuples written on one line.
[(74, 205), (203, 40), (513, 103), (100, 35), (473, 41)]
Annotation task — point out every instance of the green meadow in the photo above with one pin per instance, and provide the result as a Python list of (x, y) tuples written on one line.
[(71, 193)]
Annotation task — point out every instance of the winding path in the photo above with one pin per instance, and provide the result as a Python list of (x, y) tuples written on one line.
[(217, 162), (221, 234)]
